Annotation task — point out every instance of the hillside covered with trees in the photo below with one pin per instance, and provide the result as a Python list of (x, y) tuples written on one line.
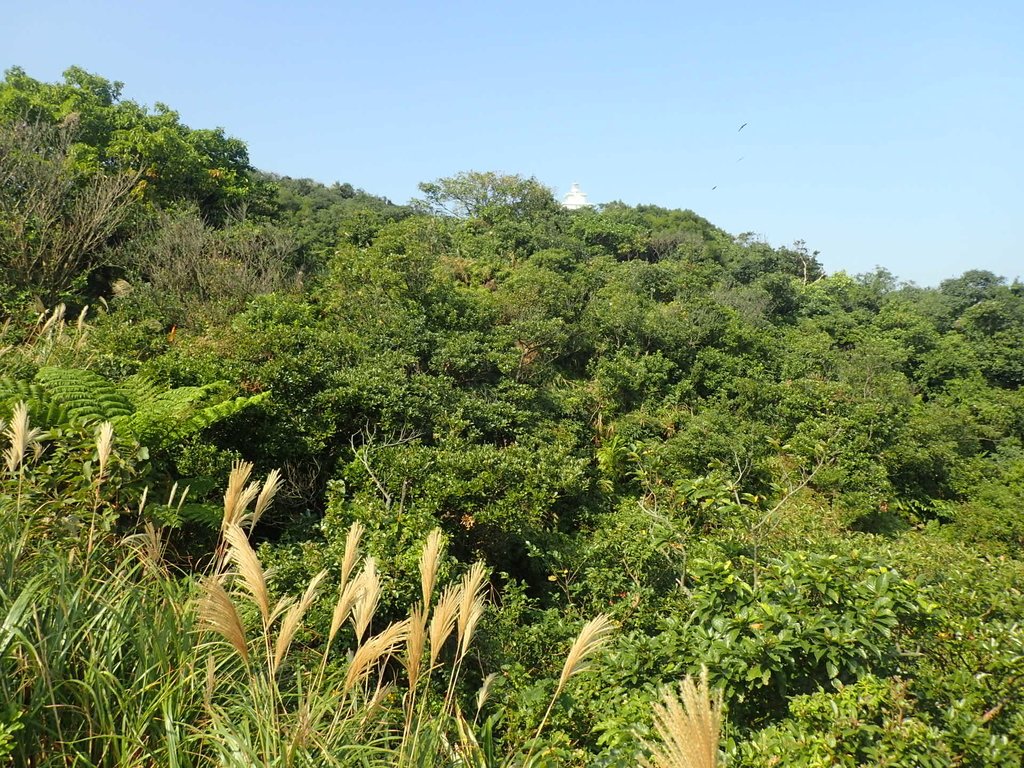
[(296, 476)]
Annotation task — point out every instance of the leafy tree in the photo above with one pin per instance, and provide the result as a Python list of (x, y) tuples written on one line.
[(203, 166), (319, 217), (971, 287), (486, 195)]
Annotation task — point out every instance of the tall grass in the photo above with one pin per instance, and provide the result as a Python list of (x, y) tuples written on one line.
[(108, 657), (688, 725), (96, 659)]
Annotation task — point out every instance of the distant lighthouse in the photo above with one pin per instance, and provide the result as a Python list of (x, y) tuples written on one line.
[(576, 198)]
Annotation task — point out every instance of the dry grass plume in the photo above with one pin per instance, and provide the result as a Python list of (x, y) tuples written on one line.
[(591, 639), (688, 724), (241, 553), (433, 550), (367, 598), (217, 614), (20, 438), (292, 620)]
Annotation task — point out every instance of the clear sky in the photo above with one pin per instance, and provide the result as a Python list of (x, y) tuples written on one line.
[(881, 133)]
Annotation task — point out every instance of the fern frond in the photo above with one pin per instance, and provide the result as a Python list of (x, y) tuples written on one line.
[(84, 395), (214, 413), (44, 412)]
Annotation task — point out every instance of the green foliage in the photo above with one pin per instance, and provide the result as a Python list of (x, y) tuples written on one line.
[(186, 274), (992, 517), (152, 428), (223, 676), (7, 730), (486, 195), (515, 216), (321, 217), (808, 482), (203, 166), (792, 626), (871, 722), (154, 415), (56, 221), (491, 501)]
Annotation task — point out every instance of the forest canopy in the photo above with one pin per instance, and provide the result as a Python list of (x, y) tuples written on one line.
[(619, 446)]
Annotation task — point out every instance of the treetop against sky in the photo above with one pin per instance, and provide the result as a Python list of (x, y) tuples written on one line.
[(878, 133)]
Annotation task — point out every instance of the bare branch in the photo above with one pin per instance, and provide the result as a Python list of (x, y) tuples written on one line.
[(368, 445), (55, 221)]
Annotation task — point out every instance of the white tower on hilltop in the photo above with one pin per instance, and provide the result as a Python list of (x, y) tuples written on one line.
[(576, 198)]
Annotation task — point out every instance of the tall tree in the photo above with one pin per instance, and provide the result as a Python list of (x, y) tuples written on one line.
[(204, 166)]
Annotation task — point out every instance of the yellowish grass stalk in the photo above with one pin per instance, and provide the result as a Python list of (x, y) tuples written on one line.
[(375, 703), (374, 651), (104, 445), (150, 545), (342, 608), (217, 613), (304, 727), (688, 724), (470, 610), (469, 745), (211, 682), (239, 495), (471, 604), (282, 605), (174, 498), (485, 691), (348, 561), (476, 612), (241, 553), (292, 620), (266, 497), (367, 599), (20, 438), (442, 621), (55, 321), (433, 549), (592, 637), (415, 644)]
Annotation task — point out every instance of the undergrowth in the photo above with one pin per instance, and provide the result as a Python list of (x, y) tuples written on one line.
[(111, 656)]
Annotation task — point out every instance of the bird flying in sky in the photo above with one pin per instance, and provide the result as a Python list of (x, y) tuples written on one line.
[(741, 128)]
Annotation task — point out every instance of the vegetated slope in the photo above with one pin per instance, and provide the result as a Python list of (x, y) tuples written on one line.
[(808, 483)]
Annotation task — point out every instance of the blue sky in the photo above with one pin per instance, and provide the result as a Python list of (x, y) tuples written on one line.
[(881, 133)]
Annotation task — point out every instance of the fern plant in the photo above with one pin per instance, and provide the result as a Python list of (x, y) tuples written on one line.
[(139, 408), (149, 419)]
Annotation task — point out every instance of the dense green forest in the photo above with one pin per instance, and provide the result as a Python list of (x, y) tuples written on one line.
[(296, 476)]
